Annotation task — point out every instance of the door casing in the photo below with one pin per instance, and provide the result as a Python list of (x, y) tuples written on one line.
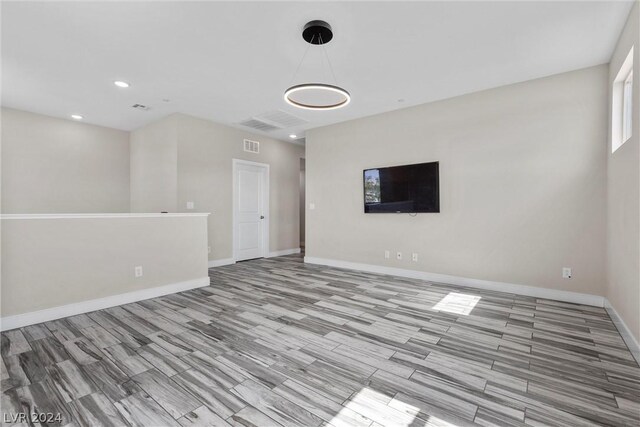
[(265, 205)]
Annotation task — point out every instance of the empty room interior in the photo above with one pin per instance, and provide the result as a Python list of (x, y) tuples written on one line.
[(295, 213)]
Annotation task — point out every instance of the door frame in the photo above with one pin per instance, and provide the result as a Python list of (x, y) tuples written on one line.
[(265, 205)]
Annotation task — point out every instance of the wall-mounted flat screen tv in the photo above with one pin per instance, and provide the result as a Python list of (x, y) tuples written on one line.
[(405, 189)]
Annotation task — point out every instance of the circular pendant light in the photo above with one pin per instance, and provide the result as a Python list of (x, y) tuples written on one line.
[(317, 96), (333, 96)]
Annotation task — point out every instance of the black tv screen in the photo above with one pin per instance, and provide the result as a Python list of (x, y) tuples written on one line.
[(409, 188)]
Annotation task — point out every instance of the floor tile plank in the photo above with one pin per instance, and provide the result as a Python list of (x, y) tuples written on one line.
[(174, 399)]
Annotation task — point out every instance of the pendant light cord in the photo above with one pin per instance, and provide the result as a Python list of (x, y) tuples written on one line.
[(326, 54), (295, 73), (324, 49)]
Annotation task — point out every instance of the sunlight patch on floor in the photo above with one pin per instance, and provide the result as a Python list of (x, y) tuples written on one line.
[(457, 303), (375, 407), (369, 405)]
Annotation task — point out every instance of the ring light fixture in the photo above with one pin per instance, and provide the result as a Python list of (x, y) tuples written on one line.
[(317, 33), (317, 87)]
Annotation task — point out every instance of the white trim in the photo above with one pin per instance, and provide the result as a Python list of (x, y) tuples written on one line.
[(265, 201), (623, 329), (533, 291), (220, 262), (284, 252), (31, 318), (101, 215), (618, 103)]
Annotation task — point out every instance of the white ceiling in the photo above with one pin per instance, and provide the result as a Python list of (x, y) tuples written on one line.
[(229, 61)]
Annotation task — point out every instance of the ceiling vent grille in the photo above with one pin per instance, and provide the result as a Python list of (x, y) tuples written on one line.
[(140, 107), (281, 119), (259, 125), (251, 146)]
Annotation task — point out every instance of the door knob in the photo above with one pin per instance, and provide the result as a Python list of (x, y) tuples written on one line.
[(261, 217)]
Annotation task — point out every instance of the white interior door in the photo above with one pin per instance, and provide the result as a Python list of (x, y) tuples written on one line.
[(250, 210)]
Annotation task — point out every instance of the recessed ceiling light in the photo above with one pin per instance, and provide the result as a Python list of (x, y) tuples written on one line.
[(77, 117), (120, 83), (292, 136)]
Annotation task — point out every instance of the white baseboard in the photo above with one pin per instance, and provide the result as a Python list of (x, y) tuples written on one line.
[(546, 293), (34, 317), (284, 252), (220, 262), (625, 332), (228, 261)]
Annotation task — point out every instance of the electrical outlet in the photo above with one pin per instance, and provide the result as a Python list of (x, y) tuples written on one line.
[(566, 273), (312, 206), (414, 257), (398, 255), (386, 254), (138, 271), (190, 205)]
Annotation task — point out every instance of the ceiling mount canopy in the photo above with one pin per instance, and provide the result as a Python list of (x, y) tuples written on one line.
[(317, 96), (317, 32)]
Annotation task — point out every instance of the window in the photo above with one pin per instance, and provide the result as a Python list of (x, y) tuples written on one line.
[(622, 104)]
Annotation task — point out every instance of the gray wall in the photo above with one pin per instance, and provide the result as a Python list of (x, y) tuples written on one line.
[(52, 165), (195, 157), (623, 219), (54, 262), (302, 199), (523, 184), (154, 167)]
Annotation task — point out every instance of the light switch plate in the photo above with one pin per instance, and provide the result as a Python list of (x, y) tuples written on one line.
[(190, 205)]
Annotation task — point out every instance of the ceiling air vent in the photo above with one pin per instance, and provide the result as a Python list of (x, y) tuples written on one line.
[(281, 119), (251, 146), (259, 125), (140, 107)]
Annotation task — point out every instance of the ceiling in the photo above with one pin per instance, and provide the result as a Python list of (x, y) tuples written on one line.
[(231, 61)]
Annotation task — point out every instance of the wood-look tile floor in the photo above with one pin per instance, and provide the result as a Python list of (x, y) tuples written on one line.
[(275, 342)]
